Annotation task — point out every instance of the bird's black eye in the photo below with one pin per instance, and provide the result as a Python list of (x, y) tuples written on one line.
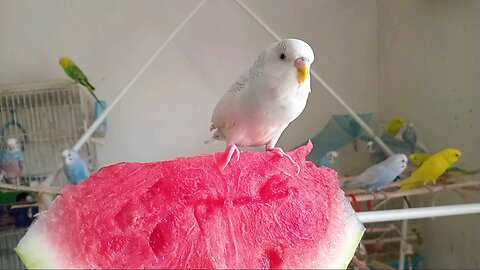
[(282, 56)]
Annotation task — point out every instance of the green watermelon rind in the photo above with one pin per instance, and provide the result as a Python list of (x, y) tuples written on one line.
[(352, 235), (35, 251)]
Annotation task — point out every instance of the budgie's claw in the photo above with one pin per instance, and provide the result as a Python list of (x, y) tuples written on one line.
[(281, 153), (231, 149)]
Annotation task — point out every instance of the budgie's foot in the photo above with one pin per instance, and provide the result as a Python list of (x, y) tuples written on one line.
[(281, 153), (231, 149)]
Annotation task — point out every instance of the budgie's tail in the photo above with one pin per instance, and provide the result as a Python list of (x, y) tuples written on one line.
[(98, 101), (410, 182), (88, 85)]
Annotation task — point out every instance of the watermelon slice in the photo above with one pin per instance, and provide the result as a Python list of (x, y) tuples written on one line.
[(187, 213)]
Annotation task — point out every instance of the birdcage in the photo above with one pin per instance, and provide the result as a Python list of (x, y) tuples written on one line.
[(8, 258), (46, 118)]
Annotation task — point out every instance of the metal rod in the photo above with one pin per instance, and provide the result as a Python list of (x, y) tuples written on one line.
[(403, 242), (125, 90), (418, 213), (355, 116)]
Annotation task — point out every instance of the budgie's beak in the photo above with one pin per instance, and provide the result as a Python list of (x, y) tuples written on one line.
[(302, 69)]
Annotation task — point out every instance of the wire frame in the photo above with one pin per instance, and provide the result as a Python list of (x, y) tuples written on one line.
[(46, 118), (8, 257)]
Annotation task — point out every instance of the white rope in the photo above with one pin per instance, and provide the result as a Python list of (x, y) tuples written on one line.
[(355, 116), (125, 90)]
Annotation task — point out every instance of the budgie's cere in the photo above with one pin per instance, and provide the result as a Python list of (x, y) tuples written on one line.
[(74, 167), (432, 168), (11, 163), (265, 99), (394, 126), (74, 72), (381, 174)]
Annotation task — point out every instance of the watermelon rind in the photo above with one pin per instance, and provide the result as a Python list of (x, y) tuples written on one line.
[(351, 237), (35, 251)]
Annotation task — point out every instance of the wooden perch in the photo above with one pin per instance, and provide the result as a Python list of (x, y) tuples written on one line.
[(51, 190), (384, 195)]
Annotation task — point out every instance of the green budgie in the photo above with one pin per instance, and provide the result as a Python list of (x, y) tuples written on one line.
[(76, 74)]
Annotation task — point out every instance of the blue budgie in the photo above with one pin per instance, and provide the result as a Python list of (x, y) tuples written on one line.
[(376, 153), (11, 162), (379, 175), (409, 136), (74, 167), (329, 159)]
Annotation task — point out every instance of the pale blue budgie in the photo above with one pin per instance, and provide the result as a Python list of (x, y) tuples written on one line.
[(329, 159), (74, 167), (380, 175), (409, 136), (11, 163)]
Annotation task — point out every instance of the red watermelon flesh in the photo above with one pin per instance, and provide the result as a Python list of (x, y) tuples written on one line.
[(187, 213)]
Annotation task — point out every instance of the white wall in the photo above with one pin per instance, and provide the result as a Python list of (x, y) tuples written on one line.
[(168, 111), (429, 72)]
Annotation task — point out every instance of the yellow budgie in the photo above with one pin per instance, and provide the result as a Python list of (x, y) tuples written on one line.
[(394, 126), (432, 168), (418, 158)]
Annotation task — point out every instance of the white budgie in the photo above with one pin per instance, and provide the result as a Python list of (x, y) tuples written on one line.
[(265, 99), (380, 175)]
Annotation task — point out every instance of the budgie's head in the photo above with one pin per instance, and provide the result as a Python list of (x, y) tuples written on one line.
[(70, 156), (397, 121), (66, 62), (418, 158), (289, 58), (397, 162), (332, 156), (12, 144), (451, 155)]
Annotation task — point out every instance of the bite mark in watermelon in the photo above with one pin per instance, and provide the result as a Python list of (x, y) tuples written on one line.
[(187, 213)]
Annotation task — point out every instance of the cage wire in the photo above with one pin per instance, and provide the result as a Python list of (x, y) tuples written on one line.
[(46, 118), (8, 257)]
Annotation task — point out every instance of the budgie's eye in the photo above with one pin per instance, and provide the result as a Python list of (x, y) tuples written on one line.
[(282, 56)]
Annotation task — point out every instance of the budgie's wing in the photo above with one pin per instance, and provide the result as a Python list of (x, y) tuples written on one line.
[(366, 178), (430, 170), (385, 176), (77, 75), (85, 171), (224, 113)]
